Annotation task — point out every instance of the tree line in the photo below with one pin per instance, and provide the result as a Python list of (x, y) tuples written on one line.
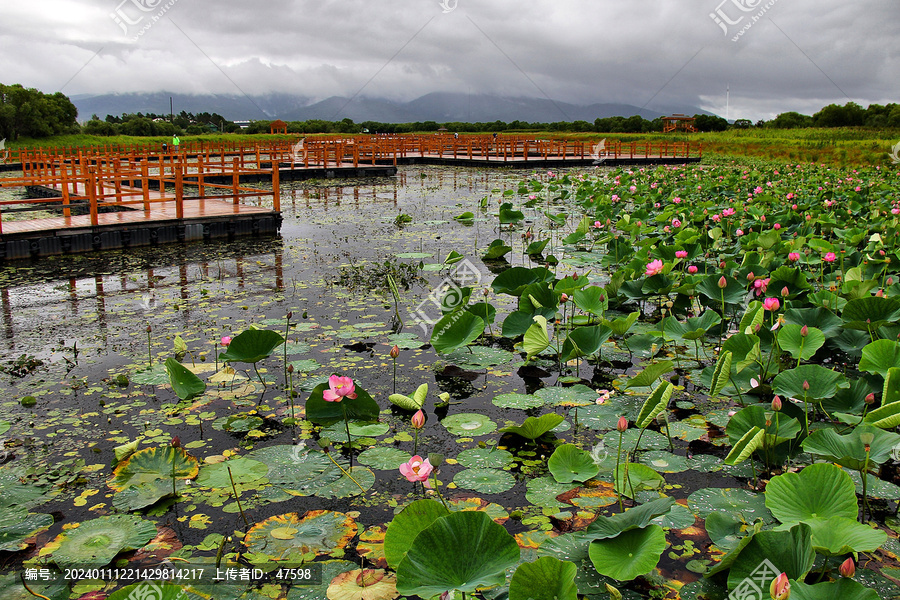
[(31, 113)]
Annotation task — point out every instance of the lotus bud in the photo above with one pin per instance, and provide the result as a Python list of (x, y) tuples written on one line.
[(780, 588), (848, 568), (776, 404), (879, 294), (226, 341), (435, 459), (890, 281), (785, 292), (290, 369), (805, 385), (804, 331), (768, 414), (867, 439), (149, 329), (418, 419), (870, 398), (395, 351), (622, 425), (176, 442), (723, 283), (564, 298), (751, 276), (290, 314), (486, 291)]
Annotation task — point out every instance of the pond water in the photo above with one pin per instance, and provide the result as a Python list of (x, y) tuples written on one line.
[(80, 334)]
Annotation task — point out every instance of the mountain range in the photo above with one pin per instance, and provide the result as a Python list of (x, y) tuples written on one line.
[(441, 107)]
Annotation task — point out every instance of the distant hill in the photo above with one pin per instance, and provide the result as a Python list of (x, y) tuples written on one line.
[(439, 106)]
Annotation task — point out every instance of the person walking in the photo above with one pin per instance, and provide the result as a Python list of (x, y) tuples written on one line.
[(175, 143)]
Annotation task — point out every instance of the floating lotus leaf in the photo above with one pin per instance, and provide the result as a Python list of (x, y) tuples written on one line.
[(480, 357), (494, 510), (576, 395), (142, 495), (384, 458), (337, 432), (244, 471), (633, 518), (455, 330), (520, 401), (729, 500), (484, 458), (469, 424), (665, 462), (403, 530), (96, 542), (584, 341), (535, 427), (819, 491), (4, 426), (485, 481), (289, 536), (650, 374), (251, 346), (15, 493), (239, 423), (629, 554), (542, 492), (16, 526), (461, 551), (547, 578), (297, 469), (330, 570), (845, 589), (591, 495), (363, 584), (152, 464), (371, 546), (344, 487), (155, 375), (11, 588), (570, 463)]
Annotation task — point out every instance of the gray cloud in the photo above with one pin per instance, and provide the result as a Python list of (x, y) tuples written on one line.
[(800, 55)]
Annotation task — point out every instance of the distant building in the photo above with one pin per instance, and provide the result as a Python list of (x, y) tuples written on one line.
[(243, 124)]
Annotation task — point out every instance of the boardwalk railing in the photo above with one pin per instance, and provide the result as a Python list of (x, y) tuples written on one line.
[(99, 182)]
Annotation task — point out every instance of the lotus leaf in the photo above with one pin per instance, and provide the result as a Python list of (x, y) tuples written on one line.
[(455, 330), (150, 591), (630, 554), (384, 458), (96, 542), (321, 412), (484, 458), (570, 463), (363, 584), (632, 478), (535, 427), (16, 526), (469, 424), (819, 491), (289, 536), (837, 536), (547, 578), (11, 588), (152, 464), (790, 552), (403, 530), (848, 450), (485, 481), (251, 346), (845, 589), (185, 383)]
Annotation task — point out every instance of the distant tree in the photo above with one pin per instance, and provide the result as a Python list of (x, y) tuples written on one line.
[(710, 123), (742, 124), (790, 120), (849, 115), (31, 113)]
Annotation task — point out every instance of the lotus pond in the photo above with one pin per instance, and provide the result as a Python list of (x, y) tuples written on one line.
[(679, 382)]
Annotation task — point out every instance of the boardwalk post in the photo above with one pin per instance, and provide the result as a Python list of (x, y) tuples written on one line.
[(235, 180), (145, 184), (64, 185), (179, 191), (200, 169), (276, 187), (91, 185)]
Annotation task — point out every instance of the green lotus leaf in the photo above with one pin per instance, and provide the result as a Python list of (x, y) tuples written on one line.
[(837, 536), (384, 458), (517, 323), (575, 395), (721, 373), (791, 339), (630, 554), (822, 382), (480, 357), (466, 218), (485, 481), (142, 495), (243, 470), (535, 427), (733, 293), (371, 584), (251, 346), (508, 215), (633, 518), (185, 383), (870, 313), (632, 478), (821, 318), (469, 424), (746, 504), (621, 325), (521, 401), (536, 339), (484, 458), (536, 247), (462, 551), (744, 349), (289, 536), (497, 250), (655, 404), (344, 487), (16, 526), (584, 341), (296, 468), (880, 356), (455, 330), (547, 578), (319, 411), (15, 493), (592, 299), (751, 442), (848, 450), (11, 588), (788, 552), (238, 423), (819, 491), (96, 542), (330, 570), (152, 464), (542, 492), (650, 374), (4, 426), (570, 463), (403, 530), (845, 589), (665, 461)]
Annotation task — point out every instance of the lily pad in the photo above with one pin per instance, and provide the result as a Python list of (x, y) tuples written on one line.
[(469, 424), (665, 462), (330, 570), (344, 487), (297, 469), (630, 554), (480, 357), (576, 395), (18, 526), (520, 401), (239, 423), (485, 481), (244, 471), (735, 501), (11, 588), (482, 458), (150, 591), (570, 463), (152, 464), (289, 536), (363, 584), (96, 542), (384, 458)]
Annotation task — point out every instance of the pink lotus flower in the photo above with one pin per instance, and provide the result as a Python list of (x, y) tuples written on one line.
[(829, 257), (692, 269), (794, 256), (681, 254), (728, 212), (676, 223), (739, 232), (654, 268), (771, 304), (416, 469), (418, 419), (716, 218), (848, 568), (597, 224), (339, 388), (780, 588), (226, 341), (777, 226)]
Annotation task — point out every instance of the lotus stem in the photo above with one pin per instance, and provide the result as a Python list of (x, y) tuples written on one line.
[(259, 377), (234, 489), (28, 589), (287, 328), (437, 489), (618, 458), (349, 439), (328, 454)]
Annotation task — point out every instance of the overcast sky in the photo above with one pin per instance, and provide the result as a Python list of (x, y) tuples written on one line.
[(797, 55)]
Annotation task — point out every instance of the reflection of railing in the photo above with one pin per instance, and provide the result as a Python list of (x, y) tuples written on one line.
[(116, 181)]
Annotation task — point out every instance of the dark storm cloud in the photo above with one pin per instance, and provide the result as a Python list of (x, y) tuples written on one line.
[(797, 55)]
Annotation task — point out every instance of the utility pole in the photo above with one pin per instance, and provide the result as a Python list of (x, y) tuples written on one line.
[(171, 111)]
